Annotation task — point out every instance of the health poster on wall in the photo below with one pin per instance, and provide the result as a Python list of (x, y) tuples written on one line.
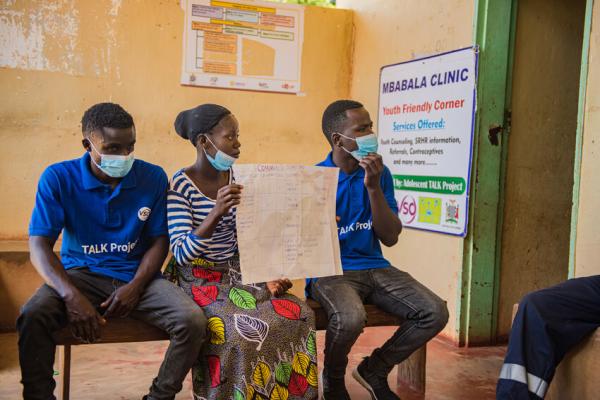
[(426, 124), (251, 45)]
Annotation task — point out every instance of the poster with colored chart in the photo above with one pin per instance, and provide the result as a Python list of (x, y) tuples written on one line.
[(425, 125), (248, 45)]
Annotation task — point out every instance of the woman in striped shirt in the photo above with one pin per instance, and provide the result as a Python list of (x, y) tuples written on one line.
[(262, 343)]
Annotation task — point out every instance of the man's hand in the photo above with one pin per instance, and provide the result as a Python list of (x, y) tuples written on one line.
[(84, 319), (373, 166), (122, 301), (227, 197), (279, 287)]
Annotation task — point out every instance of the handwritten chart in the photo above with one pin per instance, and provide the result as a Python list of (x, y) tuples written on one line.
[(286, 222)]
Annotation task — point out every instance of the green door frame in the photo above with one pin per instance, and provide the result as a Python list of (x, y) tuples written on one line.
[(494, 33), (585, 51)]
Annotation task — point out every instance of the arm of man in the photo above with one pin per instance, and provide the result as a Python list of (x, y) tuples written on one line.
[(82, 315), (123, 300), (386, 224), (47, 221)]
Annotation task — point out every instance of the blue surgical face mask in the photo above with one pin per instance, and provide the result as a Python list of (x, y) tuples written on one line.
[(113, 165), (366, 144), (221, 161)]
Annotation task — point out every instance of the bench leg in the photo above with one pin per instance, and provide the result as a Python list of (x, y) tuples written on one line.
[(411, 371), (64, 371)]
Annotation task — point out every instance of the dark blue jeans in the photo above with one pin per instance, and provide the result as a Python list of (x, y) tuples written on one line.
[(162, 304), (394, 291)]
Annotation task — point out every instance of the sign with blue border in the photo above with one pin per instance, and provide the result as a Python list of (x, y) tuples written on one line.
[(426, 124)]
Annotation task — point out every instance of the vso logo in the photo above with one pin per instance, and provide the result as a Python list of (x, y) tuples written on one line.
[(408, 209), (143, 213)]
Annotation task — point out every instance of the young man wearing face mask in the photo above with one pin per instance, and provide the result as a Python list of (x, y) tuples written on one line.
[(367, 214), (111, 211)]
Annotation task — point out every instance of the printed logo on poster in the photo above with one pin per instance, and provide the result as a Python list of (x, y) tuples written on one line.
[(430, 210), (452, 211), (408, 209)]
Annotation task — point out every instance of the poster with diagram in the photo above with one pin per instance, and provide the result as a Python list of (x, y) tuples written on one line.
[(248, 45)]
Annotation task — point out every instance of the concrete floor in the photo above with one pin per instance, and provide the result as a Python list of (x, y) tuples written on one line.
[(124, 371)]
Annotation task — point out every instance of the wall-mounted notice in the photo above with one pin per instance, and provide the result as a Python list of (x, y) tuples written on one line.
[(426, 124), (252, 45)]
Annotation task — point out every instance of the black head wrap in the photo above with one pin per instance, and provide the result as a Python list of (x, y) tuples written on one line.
[(191, 123)]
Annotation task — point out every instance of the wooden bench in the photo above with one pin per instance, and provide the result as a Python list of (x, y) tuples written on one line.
[(411, 372)]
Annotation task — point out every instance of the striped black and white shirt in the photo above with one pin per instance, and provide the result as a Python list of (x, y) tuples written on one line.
[(187, 207)]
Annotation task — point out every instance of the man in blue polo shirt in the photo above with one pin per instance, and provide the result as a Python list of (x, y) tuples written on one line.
[(111, 210), (367, 214)]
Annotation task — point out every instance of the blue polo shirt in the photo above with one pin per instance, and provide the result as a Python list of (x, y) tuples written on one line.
[(359, 246), (106, 230)]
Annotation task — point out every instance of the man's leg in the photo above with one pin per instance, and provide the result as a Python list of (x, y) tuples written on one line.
[(342, 299), (42, 315), (423, 313), (548, 324), (167, 307)]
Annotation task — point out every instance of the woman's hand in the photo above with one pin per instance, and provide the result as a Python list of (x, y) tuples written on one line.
[(227, 197), (279, 287)]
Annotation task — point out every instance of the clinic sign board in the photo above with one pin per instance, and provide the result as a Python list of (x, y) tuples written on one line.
[(426, 124)]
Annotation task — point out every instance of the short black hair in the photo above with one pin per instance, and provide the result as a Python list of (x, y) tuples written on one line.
[(335, 115), (105, 115)]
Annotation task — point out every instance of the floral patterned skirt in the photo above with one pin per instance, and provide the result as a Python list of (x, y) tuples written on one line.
[(259, 346)]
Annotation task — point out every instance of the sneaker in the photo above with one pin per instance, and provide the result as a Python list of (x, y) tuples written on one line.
[(376, 385)]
